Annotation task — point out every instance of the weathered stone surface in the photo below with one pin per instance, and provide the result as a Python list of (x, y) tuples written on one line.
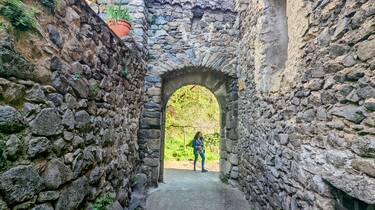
[(13, 63), (44, 206), (13, 147), (55, 36), (47, 123), (350, 112), (10, 120), (48, 196), (154, 162), (354, 185), (367, 166), (72, 196), (20, 184), (71, 101), (38, 146), (95, 175), (364, 146), (115, 206), (82, 120), (78, 63), (36, 95), (68, 119), (365, 50), (370, 104), (233, 159), (14, 94), (56, 174)]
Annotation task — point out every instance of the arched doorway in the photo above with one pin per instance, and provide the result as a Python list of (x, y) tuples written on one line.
[(225, 90), (191, 108)]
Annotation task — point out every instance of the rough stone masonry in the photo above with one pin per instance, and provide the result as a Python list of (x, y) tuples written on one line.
[(298, 127), (69, 112), (294, 78)]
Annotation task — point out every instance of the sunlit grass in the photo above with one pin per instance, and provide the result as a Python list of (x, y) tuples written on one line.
[(174, 150)]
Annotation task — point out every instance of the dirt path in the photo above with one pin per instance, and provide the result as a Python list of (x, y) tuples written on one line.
[(188, 165), (188, 190)]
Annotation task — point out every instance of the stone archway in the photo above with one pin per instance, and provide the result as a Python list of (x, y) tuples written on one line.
[(222, 85)]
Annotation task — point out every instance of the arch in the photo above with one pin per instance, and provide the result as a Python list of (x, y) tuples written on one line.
[(158, 90), (224, 88)]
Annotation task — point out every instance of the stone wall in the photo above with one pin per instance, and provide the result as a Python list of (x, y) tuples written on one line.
[(70, 103), (311, 130), (199, 36)]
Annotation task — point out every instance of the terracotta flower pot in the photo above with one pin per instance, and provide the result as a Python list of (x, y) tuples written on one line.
[(120, 27)]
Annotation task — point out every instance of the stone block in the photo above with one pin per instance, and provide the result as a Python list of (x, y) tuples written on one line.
[(19, 184), (56, 174), (366, 166), (233, 159), (234, 173), (72, 196), (48, 196), (10, 120), (349, 112), (47, 123), (38, 146), (153, 162), (366, 50), (149, 134), (364, 146)]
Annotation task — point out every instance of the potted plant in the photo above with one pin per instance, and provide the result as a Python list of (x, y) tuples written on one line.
[(119, 20)]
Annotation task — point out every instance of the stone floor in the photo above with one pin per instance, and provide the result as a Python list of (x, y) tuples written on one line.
[(188, 190)]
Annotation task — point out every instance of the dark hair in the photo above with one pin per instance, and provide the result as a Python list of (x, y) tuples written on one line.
[(197, 135)]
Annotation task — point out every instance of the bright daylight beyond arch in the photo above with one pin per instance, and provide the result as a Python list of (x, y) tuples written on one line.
[(190, 109)]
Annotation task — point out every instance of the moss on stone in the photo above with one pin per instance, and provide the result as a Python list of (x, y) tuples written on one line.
[(3, 162), (14, 64)]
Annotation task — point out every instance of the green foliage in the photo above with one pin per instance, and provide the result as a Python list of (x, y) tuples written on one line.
[(103, 202), (212, 142), (2, 25), (196, 108), (76, 76), (118, 12), (19, 15), (174, 150)]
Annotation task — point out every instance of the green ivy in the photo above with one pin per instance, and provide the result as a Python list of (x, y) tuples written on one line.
[(49, 3), (103, 202), (21, 17)]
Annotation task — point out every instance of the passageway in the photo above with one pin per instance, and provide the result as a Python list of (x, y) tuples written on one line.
[(186, 190)]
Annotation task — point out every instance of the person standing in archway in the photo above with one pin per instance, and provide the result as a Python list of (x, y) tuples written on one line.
[(198, 145)]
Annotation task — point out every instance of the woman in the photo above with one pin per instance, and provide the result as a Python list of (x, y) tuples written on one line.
[(198, 146)]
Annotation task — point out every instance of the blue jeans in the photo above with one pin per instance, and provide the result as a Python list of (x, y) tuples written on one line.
[(196, 158)]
